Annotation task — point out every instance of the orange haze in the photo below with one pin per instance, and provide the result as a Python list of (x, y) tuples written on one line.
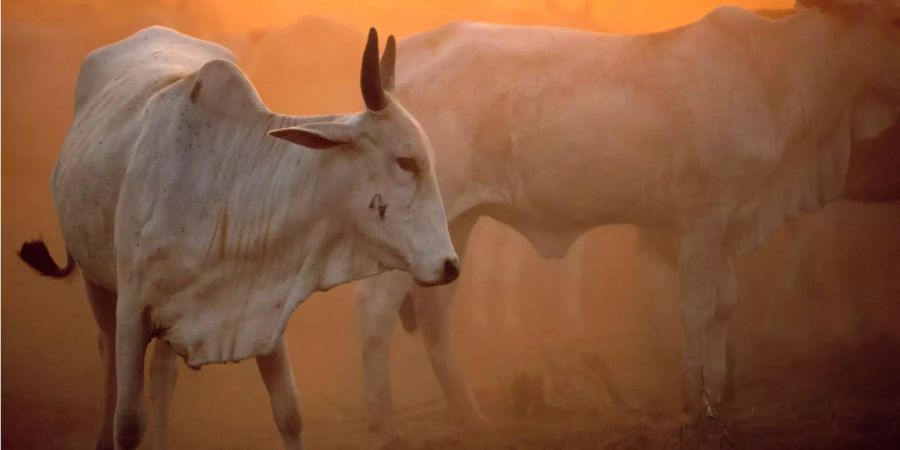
[(815, 327)]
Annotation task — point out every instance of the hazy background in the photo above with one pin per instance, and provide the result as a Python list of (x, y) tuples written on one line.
[(816, 344)]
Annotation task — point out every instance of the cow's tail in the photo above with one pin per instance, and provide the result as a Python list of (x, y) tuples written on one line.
[(36, 255), (408, 314)]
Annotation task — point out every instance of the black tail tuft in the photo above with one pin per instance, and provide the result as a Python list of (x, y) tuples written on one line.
[(36, 255), (408, 314)]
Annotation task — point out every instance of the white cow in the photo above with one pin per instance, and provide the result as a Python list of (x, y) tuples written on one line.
[(194, 225), (716, 132)]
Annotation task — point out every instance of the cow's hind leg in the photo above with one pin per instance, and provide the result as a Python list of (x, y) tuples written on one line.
[(715, 368), (276, 372), (163, 374), (700, 259), (103, 305), (132, 336)]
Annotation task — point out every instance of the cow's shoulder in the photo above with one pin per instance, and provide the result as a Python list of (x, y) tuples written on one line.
[(460, 40), (723, 25), (734, 18), (446, 33)]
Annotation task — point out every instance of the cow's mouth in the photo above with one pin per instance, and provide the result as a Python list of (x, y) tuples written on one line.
[(422, 283)]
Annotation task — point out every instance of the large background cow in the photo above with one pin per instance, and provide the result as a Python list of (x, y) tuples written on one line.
[(716, 132), (814, 345)]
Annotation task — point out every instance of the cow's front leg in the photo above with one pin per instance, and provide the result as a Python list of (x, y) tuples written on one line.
[(276, 372), (132, 336), (434, 308), (700, 258), (715, 367), (378, 300), (163, 374)]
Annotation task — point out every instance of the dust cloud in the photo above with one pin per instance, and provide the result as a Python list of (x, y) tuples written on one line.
[(816, 348)]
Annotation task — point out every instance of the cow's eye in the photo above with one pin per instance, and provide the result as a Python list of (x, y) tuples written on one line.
[(408, 164)]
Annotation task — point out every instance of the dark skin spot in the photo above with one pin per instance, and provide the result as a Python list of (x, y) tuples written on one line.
[(377, 203)]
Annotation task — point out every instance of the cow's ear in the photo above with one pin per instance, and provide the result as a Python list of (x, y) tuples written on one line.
[(320, 135)]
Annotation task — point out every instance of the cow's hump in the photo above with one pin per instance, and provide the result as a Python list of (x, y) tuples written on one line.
[(155, 56)]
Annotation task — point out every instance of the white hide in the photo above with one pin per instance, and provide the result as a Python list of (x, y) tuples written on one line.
[(170, 192)]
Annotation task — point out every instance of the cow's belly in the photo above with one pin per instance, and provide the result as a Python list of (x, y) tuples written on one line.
[(567, 191), (86, 184)]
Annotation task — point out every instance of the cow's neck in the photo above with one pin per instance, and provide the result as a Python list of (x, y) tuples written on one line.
[(296, 226)]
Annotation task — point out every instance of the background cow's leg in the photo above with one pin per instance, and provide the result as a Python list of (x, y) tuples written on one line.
[(699, 267), (163, 373), (715, 366), (570, 291), (378, 301), (434, 308), (103, 305), (276, 372), (132, 336)]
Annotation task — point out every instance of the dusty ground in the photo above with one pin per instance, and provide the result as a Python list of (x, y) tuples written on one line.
[(857, 407), (846, 400)]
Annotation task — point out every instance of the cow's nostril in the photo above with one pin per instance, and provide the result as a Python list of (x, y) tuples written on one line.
[(451, 270)]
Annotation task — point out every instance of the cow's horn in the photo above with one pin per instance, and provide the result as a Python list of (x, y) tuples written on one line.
[(370, 77), (387, 64)]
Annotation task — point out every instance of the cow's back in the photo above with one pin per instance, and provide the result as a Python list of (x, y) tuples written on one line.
[(115, 84), (568, 129), (512, 103)]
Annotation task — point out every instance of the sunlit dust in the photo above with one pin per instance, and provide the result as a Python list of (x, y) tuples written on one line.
[(815, 327)]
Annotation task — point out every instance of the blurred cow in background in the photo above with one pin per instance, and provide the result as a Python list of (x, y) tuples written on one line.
[(716, 132)]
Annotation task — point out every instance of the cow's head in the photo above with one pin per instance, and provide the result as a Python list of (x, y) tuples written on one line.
[(388, 183), (872, 29)]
